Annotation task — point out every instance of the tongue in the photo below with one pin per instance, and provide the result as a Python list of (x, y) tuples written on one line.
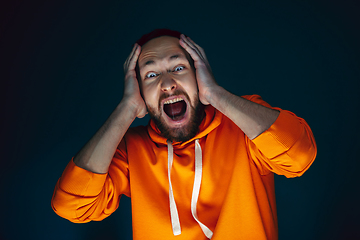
[(175, 109)]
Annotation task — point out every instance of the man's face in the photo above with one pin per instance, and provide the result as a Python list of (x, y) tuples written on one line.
[(169, 88)]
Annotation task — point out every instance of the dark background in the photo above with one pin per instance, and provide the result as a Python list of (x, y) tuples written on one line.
[(61, 77)]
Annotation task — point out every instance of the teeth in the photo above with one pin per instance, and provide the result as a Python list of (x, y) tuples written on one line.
[(173, 100)]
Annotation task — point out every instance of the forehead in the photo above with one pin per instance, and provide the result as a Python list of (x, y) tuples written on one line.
[(160, 48)]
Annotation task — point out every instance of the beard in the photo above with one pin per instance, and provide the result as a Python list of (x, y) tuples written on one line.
[(183, 133)]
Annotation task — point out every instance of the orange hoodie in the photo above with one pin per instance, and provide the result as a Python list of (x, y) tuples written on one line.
[(234, 197)]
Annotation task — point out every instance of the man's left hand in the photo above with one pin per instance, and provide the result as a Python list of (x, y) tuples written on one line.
[(204, 76)]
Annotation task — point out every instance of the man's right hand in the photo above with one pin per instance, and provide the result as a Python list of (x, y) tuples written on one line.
[(98, 152), (132, 94)]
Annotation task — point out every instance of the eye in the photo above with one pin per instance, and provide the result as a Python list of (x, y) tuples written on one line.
[(179, 68), (151, 75)]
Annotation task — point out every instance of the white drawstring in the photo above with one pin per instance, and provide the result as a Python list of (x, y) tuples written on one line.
[(195, 194), (196, 189), (173, 209)]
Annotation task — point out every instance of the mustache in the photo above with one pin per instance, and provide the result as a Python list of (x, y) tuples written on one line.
[(175, 93)]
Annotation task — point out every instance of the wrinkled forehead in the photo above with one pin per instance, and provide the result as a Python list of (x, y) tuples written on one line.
[(160, 48)]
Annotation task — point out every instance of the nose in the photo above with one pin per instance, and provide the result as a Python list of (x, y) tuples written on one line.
[(168, 84)]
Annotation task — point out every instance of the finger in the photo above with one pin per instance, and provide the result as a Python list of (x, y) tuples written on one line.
[(131, 54), (133, 60), (198, 47), (194, 53), (190, 44), (199, 50), (126, 63), (190, 40)]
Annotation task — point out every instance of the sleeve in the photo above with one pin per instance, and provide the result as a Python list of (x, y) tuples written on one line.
[(287, 148), (82, 196)]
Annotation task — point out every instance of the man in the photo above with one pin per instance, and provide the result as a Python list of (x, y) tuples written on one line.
[(203, 167)]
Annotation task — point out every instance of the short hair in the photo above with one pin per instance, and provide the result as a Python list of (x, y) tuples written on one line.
[(157, 33)]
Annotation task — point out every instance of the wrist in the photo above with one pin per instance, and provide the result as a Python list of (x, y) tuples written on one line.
[(135, 107), (213, 94), (128, 107)]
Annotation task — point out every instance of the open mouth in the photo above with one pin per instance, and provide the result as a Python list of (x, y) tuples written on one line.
[(175, 108)]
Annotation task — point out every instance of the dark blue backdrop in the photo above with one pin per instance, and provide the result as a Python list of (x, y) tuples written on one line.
[(61, 76)]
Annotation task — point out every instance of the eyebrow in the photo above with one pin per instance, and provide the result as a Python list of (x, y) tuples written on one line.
[(171, 58)]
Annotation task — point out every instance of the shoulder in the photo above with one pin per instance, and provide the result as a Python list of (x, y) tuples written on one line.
[(134, 136)]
